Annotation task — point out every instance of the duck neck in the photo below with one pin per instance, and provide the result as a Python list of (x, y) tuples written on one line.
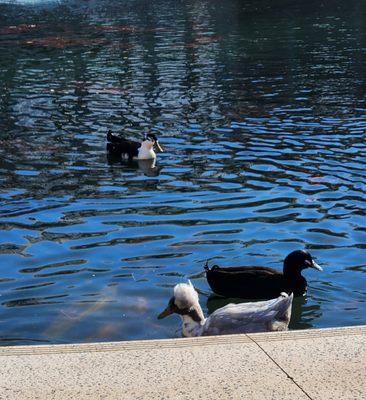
[(146, 151), (291, 271), (193, 322)]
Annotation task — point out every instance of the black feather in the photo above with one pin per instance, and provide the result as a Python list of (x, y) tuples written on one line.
[(152, 137), (260, 282), (119, 146), (114, 139)]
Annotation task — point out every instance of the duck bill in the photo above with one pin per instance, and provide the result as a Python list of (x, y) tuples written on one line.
[(159, 147), (316, 266), (165, 313)]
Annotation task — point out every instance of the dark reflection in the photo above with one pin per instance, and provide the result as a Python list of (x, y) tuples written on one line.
[(304, 315), (34, 301), (147, 167)]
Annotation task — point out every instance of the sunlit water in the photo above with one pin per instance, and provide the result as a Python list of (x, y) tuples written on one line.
[(260, 107)]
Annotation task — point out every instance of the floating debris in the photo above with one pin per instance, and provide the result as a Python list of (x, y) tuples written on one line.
[(198, 42), (117, 28), (207, 39), (22, 28), (127, 28), (60, 42)]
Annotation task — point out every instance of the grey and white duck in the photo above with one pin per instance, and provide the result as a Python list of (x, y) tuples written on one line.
[(262, 316), (122, 147)]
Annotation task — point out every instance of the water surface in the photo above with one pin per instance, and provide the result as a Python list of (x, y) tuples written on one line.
[(260, 106)]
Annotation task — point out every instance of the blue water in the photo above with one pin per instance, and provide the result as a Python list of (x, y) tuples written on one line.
[(260, 107)]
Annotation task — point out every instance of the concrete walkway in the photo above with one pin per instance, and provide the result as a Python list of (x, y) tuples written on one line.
[(313, 364)]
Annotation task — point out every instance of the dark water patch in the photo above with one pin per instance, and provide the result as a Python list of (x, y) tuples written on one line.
[(35, 286), (114, 242), (33, 301), (53, 265), (70, 271), (156, 256)]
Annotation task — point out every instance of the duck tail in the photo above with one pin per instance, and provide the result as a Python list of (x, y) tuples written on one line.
[(114, 138), (284, 307), (206, 267)]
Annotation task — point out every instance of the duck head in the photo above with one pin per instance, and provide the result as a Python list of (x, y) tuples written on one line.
[(185, 303), (150, 141), (298, 260)]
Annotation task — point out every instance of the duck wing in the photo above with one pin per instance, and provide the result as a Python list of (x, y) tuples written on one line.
[(114, 138), (243, 270), (118, 145), (262, 316), (246, 282)]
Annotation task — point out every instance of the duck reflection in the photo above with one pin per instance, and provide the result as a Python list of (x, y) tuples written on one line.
[(302, 316), (147, 167), (303, 313)]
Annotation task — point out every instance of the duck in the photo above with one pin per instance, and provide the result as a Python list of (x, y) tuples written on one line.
[(122, 147), (263, 316), (262, 282)]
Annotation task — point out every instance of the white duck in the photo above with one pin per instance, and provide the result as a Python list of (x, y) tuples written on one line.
[(261, 316)]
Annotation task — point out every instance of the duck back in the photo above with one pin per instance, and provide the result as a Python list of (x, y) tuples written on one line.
[(262, 316), (252, 282), (119, 146)]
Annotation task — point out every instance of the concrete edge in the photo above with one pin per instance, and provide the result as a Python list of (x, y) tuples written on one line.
[(308, 333), (181, 342)]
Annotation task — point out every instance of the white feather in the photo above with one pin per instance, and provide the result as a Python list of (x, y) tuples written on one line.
[(146, 151), (185, 296)]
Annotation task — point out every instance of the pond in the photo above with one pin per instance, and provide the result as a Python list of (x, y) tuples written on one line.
[(260, 107)]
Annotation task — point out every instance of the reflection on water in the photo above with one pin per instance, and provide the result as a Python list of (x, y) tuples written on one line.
[(147, 167), (260, 107), (72, 316)]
